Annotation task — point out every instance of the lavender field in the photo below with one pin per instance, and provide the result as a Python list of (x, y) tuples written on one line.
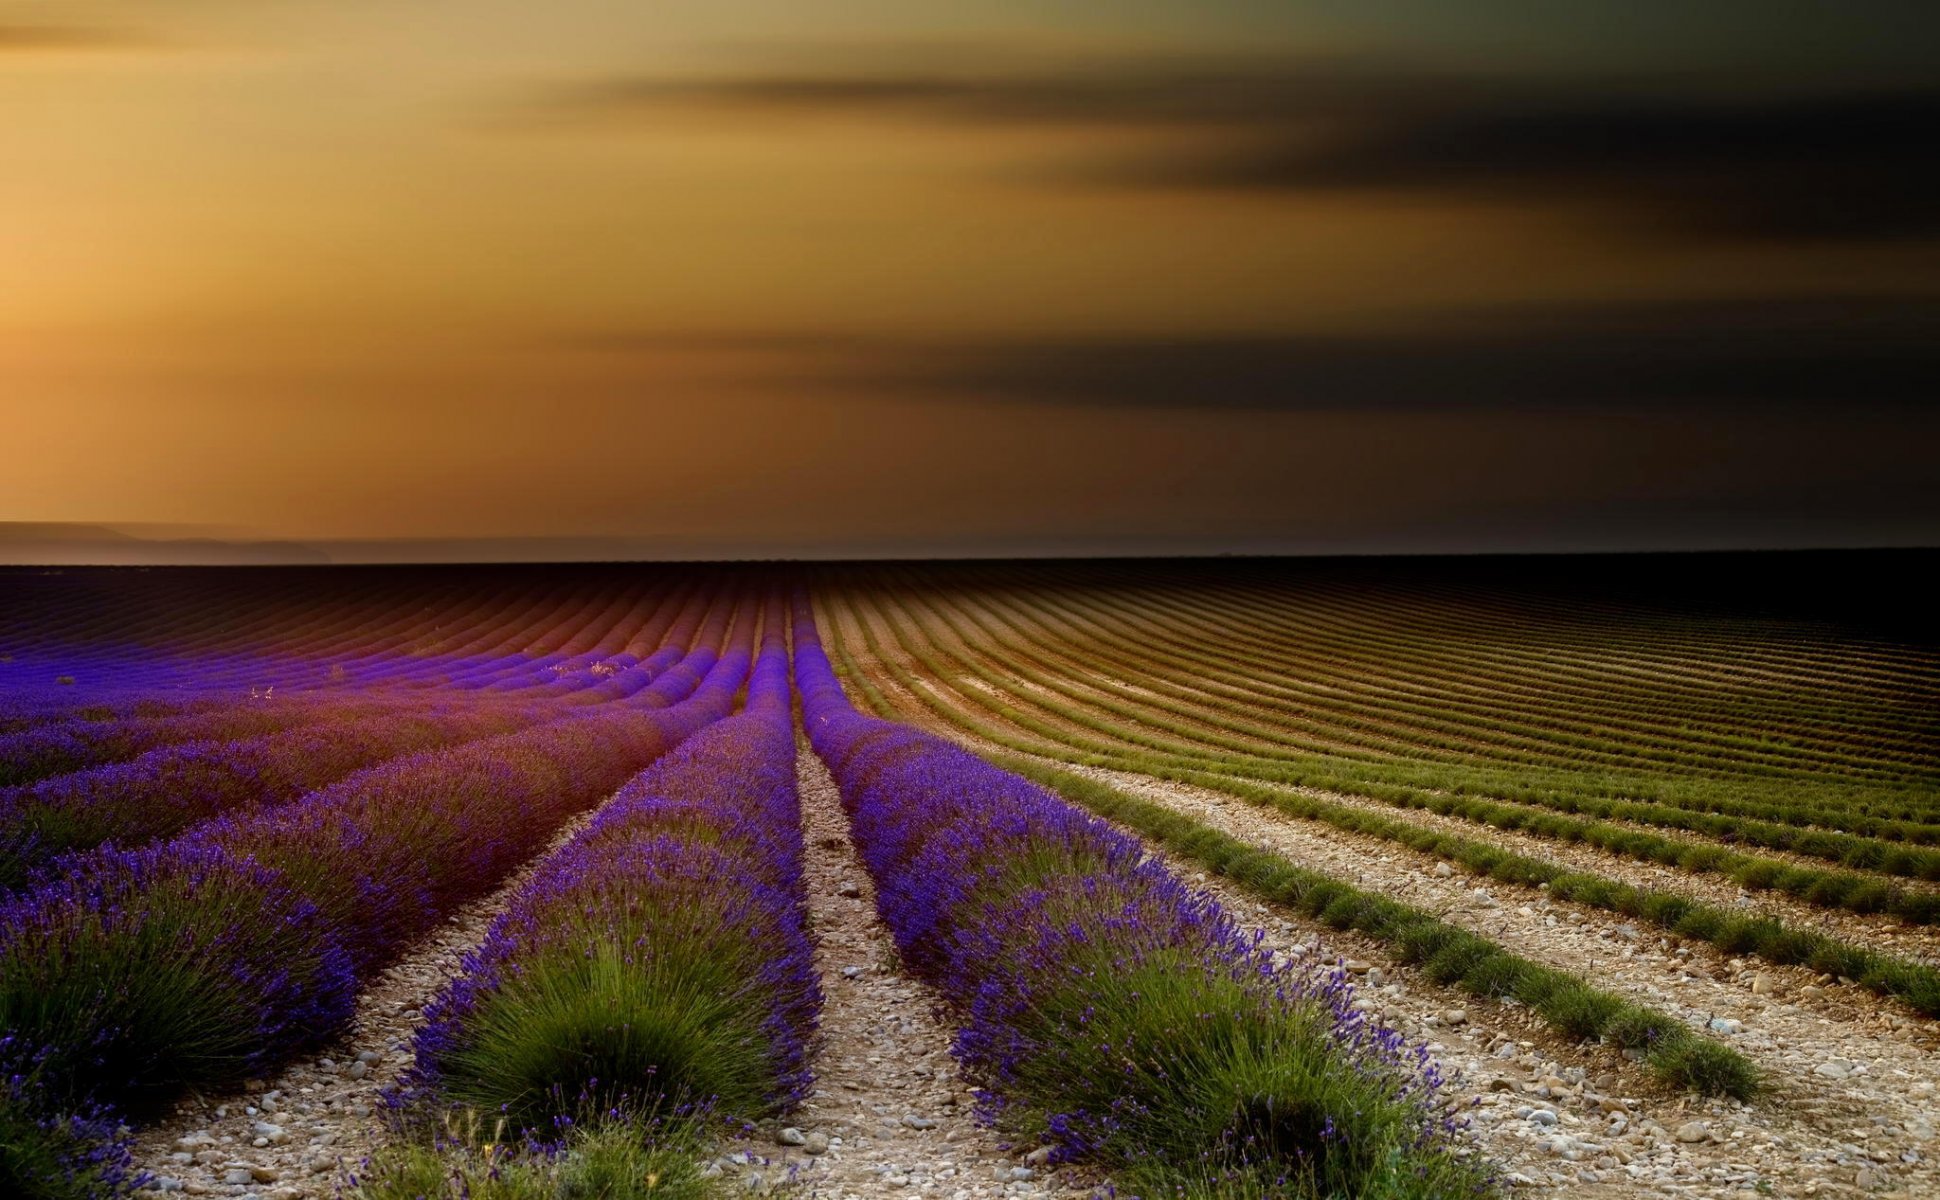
[(1153, 879)]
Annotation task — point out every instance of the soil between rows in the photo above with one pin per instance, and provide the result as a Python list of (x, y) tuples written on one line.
[(1810, 1134)]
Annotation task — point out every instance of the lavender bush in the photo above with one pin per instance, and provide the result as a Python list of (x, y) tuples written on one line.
[(658, 962), (56, 747), (1108, 1007), (75, 1152), (167, 790), (208, 959)]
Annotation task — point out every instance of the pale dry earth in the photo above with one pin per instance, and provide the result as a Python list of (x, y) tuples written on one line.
[(1853, 1086), (1851, 1106), (303, 1133), (890, 1115)]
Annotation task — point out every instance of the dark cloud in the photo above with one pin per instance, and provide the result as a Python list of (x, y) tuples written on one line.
[(1710, 162), (1745, 358), (1845, 166), (1221, 92)]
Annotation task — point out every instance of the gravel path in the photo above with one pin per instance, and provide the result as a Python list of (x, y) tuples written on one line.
[(1877, 930), (1854, 1087), (890, 1116), (299, 1135), (1852, 1104)]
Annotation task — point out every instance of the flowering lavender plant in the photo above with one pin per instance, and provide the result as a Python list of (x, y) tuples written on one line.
[(1107, 1006), (172, 788), (208, 959), (72, 1151), (658, 961)]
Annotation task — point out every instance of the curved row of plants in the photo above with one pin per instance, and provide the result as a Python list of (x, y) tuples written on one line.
[(1781, 942), (59, 747), (140, 638), (166, 791), (1817, 886), (1447, 954), (1538, 637), (211, 958), (1109, 1008), (655, 979), (1309, 688), (1461, 670), (1480, 728), (1689, 791), (1440, 672), (170, 789), (1127, 658), (203, 678), (1832, 826), (196, 632), (314, 633)]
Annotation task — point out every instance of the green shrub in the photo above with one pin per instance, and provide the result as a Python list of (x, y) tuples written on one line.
[(1456, 959), (1496, 976), (605, 1160), (1579, 1011), (1197, 1060), (1447, 953), (1705, 1066)]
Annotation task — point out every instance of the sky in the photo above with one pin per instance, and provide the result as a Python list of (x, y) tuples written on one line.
[(370, 279)]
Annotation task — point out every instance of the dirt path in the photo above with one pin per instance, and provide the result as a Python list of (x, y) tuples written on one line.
[(298, 1135), (890, 1116), (1853, 1103), (1854, 1088), (1877, 930)]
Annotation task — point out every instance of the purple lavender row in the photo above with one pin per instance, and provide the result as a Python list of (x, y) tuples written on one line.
[(157, 680), (24, 706), (476, 657), (482, 661), (211, 958), (658, 962), (166, 791), (1108, 1007), (55, 747), (496, 662), (59, 747), (207, 650), (551, 674)]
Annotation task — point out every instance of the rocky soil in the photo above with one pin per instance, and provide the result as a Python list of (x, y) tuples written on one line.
[(1851, 1105), (1853, 1086), (303, 1133), (890, 1116), (1853, 1082)]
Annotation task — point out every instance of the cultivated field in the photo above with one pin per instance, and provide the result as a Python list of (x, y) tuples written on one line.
[(1232, 878)]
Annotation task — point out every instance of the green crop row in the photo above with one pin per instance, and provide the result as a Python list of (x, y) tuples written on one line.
[(1501, 731), (1820, 887), (1446, 954), (1777, 941), (1459, 669)]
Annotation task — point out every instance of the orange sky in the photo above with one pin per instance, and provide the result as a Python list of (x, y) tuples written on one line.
[(335, 271)]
